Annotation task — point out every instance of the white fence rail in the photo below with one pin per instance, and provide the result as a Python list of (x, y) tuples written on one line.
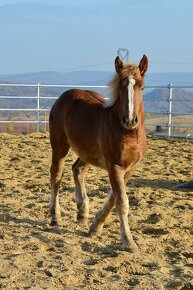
[(38, 96), (171, 112)]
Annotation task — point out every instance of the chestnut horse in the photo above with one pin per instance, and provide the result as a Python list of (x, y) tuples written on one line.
[(109, 134)]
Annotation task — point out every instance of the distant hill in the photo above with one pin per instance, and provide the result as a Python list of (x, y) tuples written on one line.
[(156, 101), (67, 78), (94, 78), (164, 79)]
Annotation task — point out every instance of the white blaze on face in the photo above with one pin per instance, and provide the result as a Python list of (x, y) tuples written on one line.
[(131, 96)]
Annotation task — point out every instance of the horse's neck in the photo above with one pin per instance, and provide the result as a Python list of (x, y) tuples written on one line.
[(141, 114)]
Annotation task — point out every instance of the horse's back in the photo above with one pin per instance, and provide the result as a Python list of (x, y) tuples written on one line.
[(76, 99), (80, 96)]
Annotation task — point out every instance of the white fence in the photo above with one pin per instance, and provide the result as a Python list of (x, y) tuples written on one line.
[(179, 119), (38, 95)]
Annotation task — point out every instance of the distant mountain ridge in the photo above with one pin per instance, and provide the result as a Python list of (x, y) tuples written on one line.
[(174, 78), (99, 78), (67, 78), (156, 101), (94, 78)]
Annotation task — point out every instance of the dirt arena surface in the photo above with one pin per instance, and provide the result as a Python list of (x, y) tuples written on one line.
[(34, 255)]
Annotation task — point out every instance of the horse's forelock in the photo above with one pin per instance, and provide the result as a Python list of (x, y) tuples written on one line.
[(128, 70)]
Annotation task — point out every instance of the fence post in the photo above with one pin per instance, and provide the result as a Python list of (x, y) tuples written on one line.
[(170, 110), (38, 109)]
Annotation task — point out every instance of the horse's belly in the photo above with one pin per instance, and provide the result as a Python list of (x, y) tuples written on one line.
[(89, 156)]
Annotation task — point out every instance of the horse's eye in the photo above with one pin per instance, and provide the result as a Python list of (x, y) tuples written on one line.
[(142, 88)]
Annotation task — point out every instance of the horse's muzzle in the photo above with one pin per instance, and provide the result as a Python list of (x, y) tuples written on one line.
[(130, 124)]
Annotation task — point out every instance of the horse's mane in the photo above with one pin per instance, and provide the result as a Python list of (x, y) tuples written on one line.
[(114, 83)]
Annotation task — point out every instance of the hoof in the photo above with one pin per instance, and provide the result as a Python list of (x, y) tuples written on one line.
[(95, 230), (132, 248), (82, 220), (55, 223)]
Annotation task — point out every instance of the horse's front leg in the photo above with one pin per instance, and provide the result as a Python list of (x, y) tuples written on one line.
[(79, 169), (102, 215), (118, 178)]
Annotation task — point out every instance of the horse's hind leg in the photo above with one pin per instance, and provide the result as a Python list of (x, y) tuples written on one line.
[(79, 169), (58, 156)]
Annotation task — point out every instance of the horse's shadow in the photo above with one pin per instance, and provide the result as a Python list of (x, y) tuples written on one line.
[(161, 183), (11, 221), (104, 251)]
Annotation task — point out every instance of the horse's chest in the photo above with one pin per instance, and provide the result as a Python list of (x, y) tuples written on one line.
[(132, 154)]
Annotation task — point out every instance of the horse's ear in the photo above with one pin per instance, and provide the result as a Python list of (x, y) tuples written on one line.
[(118, 64), (143, 65)]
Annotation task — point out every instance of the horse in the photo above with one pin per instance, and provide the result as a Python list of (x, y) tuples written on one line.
[(109, 134)]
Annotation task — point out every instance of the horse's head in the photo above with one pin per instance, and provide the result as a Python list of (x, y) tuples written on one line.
[(130, 81)]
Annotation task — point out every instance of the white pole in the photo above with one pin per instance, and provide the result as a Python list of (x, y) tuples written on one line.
[(170, 110), (45, 121), (38, 110)]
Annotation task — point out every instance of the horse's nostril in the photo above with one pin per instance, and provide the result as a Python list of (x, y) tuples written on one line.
[(125, 120), (134, 121)]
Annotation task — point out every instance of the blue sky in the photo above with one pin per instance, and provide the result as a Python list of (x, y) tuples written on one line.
[(67, 35)]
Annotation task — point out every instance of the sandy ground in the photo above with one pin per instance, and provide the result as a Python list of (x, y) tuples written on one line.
[(36, 256)]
